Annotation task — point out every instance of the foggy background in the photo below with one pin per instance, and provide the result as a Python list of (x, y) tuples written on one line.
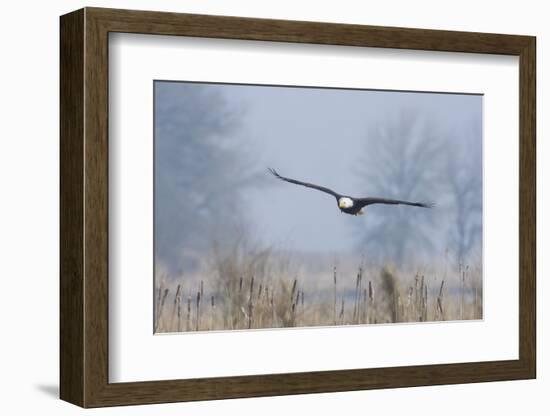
[(214, 142)]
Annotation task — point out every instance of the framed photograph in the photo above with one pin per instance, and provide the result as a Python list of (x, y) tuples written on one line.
[(254, 207)]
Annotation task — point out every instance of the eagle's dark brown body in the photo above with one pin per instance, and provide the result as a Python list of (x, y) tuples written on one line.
[(350, 205)]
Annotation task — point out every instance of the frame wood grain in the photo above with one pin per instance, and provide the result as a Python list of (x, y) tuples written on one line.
[(84, 207)]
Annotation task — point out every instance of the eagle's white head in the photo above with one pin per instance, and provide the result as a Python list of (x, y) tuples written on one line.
[(345, 202)]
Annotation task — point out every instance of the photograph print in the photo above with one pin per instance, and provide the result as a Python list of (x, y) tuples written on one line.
[(294, 206)]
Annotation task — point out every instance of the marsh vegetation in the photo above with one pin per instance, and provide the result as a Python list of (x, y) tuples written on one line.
[(270, 290)]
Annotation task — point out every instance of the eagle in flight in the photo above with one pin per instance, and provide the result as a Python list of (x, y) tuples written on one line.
[(348, 204)]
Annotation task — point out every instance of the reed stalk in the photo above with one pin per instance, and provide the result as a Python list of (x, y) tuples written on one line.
[(162, 302), (212, 311), (440, 309), (251, 303), (198, 320), (175, 309), (335, 292), (188, 325)]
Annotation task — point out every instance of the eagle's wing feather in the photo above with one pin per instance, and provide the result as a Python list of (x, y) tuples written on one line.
[(369, 201), (309, 185)]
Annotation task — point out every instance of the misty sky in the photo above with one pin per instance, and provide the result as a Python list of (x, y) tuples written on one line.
[(322, 136)]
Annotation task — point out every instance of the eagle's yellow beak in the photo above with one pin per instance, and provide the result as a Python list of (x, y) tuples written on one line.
[(341, 204)]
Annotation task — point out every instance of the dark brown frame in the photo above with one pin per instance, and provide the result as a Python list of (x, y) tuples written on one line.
[(84, 209)]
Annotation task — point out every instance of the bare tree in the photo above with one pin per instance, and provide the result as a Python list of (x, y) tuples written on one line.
[(464, 179), (401, 160), (200, 169)]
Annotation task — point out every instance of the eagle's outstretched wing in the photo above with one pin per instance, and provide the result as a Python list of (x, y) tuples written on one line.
[(309, 185), (369, 201)]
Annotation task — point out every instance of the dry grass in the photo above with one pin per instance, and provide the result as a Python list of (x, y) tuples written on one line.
[(247, 289)]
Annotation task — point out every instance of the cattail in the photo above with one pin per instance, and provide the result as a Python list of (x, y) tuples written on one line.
[(157, 308), (176, 307), (250, 303), (188, 326), (159, 297), (212, 311), (251, 286), (360, 290), (179, 315), (355, 297), (163, 300), (342, 312), (293, 301), (197, 323), (462, 288), (364, 312), (259, 316), (440, 301), (240, 297), (416, 297), (295, 307), (334, 304), (398, 309), (272, 303), (370, 310), (475, 300), (420, 306), (425, 306)]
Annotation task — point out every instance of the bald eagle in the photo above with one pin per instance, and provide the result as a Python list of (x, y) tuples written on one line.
[(348, 204)]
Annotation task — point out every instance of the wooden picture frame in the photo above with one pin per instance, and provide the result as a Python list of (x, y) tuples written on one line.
[(84, 207)]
